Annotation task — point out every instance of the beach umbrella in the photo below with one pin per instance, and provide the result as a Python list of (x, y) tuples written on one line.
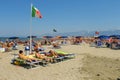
[(78, 37), (32, 36), (14, 37), (115, 36), (63, 36), (48, 37), (103, 37)]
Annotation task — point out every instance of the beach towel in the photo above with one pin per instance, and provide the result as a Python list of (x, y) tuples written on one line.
[(61, 52)]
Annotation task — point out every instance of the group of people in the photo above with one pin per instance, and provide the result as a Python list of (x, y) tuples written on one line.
[(109, 43), (8, 45), (48, 56)]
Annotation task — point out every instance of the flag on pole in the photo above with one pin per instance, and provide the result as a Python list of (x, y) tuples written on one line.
[(97, 32), (54, 30), (36, 12)]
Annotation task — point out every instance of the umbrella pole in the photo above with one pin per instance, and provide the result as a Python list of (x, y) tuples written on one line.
[(31, 31)]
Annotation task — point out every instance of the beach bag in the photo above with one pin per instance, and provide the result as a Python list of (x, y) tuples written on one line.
[(2, 49)]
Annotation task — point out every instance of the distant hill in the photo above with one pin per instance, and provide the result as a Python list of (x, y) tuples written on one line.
[(85, 33)]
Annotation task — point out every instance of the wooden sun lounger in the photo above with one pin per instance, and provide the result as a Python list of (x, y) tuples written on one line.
[(69, 56), (58, 59), (62, 58), (28, 64), (32, 64)]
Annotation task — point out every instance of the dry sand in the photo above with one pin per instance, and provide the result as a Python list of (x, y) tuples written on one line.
[(89, 64)]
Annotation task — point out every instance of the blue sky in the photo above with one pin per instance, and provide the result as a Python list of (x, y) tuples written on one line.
[(63, 15)]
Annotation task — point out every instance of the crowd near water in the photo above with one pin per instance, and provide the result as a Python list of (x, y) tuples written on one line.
[(112, 42)]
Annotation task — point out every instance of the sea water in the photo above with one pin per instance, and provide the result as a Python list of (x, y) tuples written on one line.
[(3, 39)]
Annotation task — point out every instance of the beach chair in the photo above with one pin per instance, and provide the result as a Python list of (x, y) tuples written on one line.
[(43, 61), (27, 64), (115, 46), (58, 59), (55, 59), (65, 54), (99, 44)]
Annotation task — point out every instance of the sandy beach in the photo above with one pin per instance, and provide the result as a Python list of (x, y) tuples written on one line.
[(89, 64), (60, 40)]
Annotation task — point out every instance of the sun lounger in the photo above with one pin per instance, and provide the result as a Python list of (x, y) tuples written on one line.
[(58, 59), (65, 54), (43, 61), (25, 63), (69, 56), (28, 64), (33, 63), (115, 46)]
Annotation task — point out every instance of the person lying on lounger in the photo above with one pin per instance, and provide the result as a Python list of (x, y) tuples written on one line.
[(43, 56), (51, 53), (24, 57)]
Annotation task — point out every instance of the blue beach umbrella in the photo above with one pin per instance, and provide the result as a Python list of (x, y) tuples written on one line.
[(103, 37), (48, 37), (13, 37), (63, 36), (32, 36), (115, 36)]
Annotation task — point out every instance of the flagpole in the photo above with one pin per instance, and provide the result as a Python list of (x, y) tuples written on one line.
[(36, 12), (31, 30)]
